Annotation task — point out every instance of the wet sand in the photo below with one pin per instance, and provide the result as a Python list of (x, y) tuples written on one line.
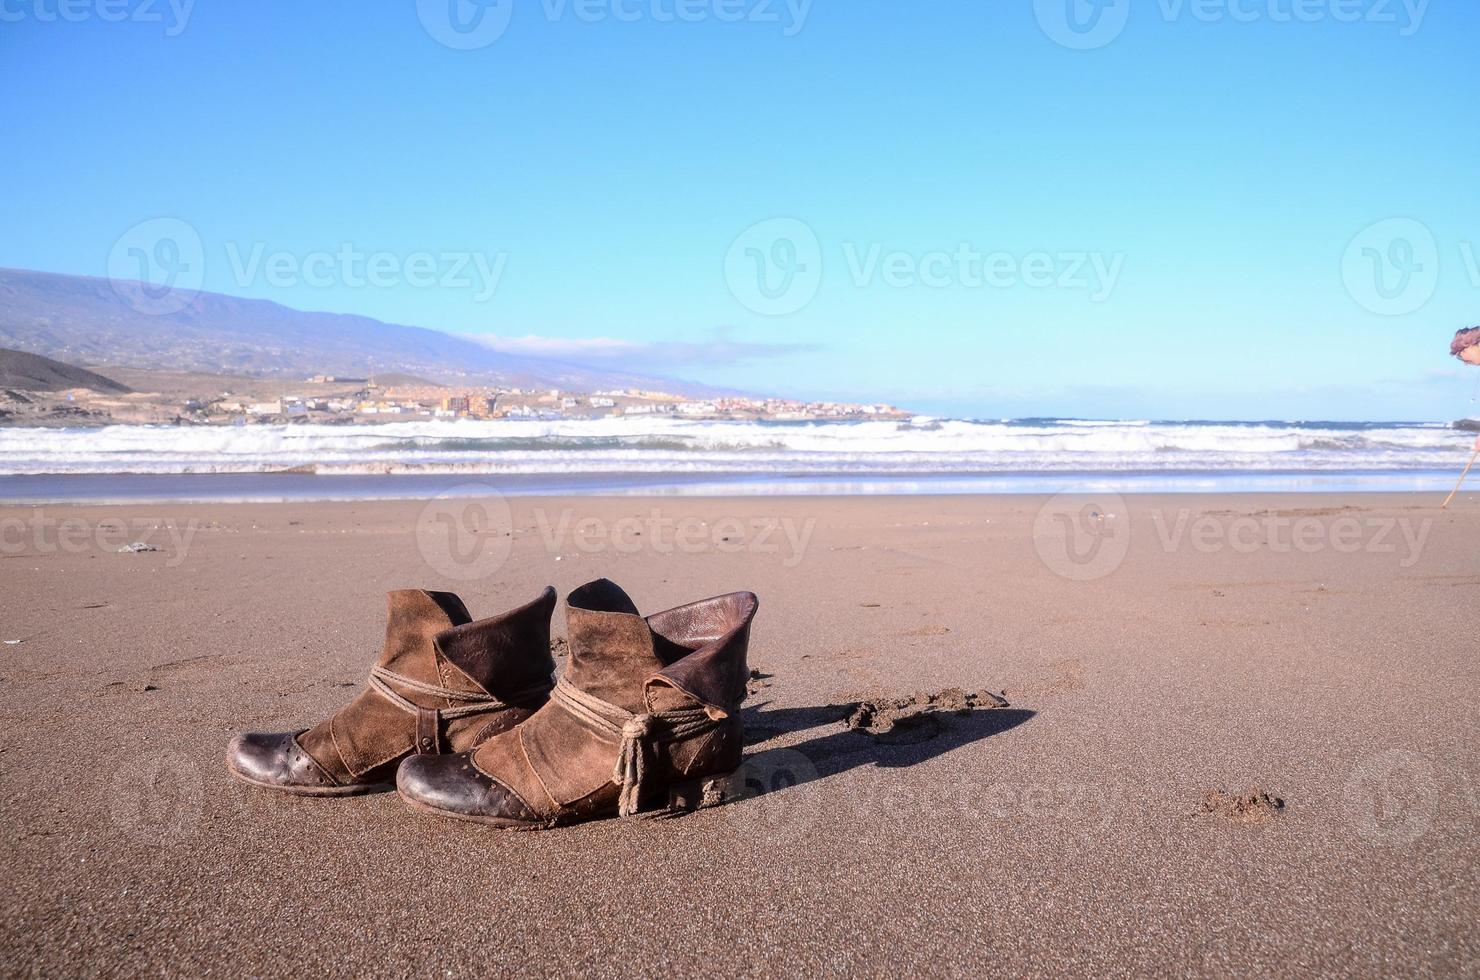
[(1171, 666)]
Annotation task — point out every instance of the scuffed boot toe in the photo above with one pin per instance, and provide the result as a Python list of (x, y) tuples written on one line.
[(275, 760), (451, 786)]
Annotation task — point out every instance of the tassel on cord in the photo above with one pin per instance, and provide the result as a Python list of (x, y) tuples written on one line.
[(628, 771), (636, 734)]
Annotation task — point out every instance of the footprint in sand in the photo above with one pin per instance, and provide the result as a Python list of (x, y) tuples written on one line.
[(927, 631), (1254, 806)]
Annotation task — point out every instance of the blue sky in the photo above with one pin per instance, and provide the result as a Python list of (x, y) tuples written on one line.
[(1185, 209)]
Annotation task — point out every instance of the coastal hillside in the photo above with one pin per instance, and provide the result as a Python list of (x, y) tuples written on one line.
[(32, 372), (80, 319)]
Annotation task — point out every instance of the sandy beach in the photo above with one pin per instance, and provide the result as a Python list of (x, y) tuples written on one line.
[(1316, 652)]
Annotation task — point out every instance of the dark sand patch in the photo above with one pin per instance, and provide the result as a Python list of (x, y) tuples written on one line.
[(915, 718)]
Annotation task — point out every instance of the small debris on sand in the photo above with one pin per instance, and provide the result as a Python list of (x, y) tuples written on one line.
[(1255, 806), (916, 718), (559, 647), (932, 630), (758, 680), (138, 547)]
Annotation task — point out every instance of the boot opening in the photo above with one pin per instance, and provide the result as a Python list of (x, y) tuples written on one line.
[(602, 595), (457, 613), (679, 632)]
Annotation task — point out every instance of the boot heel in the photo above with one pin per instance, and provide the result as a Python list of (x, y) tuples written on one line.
[(699, 794)]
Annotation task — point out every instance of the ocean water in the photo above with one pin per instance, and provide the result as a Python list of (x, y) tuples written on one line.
[(676, 455)]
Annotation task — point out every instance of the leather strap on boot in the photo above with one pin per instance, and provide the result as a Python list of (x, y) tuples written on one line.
[(635, 732), (429, 720)]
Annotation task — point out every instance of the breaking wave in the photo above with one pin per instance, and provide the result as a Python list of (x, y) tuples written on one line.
[(652, 445)]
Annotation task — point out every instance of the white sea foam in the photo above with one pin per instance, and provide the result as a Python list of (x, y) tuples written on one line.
[(655, 445)]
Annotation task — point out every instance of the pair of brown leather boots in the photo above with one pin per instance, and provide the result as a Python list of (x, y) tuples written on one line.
[(467, 719)]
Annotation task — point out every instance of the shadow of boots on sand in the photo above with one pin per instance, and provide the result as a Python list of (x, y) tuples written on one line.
[(912, 739)]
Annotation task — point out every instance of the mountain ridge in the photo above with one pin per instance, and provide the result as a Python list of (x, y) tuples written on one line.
[(88, 320), (34, 372)]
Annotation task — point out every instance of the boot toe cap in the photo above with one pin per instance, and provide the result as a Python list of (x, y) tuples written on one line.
[(275, 760), (453, 786)]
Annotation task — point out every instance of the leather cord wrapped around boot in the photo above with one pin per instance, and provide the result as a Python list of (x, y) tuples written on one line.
[(442, 683), (636, 732)]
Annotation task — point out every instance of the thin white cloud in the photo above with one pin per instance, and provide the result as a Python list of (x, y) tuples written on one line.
[(608, 350), (531, 345)]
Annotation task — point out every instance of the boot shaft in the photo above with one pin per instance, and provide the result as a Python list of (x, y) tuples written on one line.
[(503, 655), (414, 618), (697, 649), (430, 638), (703, 646), (611, 647)]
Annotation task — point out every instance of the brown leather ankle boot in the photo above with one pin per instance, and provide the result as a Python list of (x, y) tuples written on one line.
[(648, 710), (442, 684)]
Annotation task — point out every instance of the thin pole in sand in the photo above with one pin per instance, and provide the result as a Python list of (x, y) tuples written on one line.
[(1462, 476)]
